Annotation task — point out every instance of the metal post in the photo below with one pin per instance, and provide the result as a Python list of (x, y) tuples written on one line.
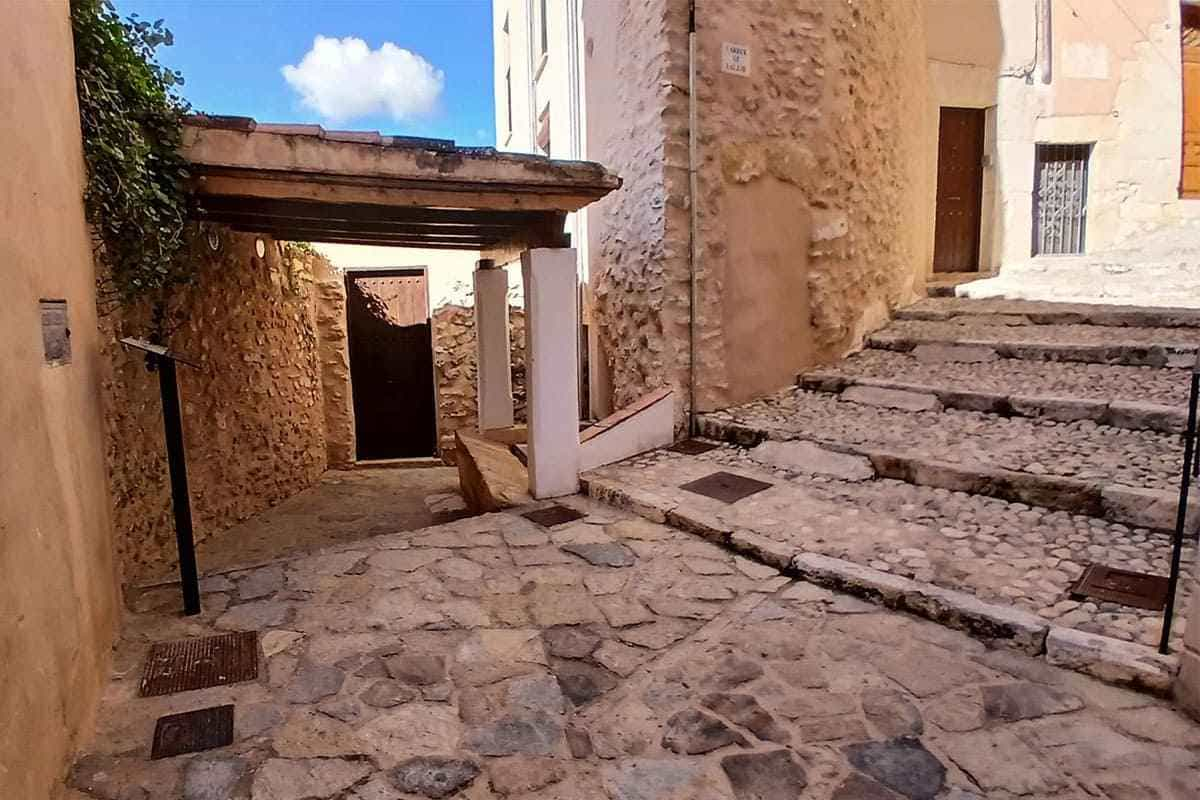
[(180, 503), (1185, 479)]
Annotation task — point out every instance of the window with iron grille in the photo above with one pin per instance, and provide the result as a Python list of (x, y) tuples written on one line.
[(1060, 185)]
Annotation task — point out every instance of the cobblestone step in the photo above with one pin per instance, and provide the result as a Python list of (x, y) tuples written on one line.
[(1036, 312), (998, 570), (996, 336), (1127, 476), (1139, 398)]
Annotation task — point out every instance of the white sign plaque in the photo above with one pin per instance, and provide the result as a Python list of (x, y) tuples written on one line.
[(735, 58)]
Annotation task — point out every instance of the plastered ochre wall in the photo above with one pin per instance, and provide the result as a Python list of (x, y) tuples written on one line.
[(253, 412), (58, 596)]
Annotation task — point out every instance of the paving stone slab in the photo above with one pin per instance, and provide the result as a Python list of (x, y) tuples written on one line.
[(892, 398), (807, 457), (771, 775), (578, 711), (902, 764), (1111, 660)]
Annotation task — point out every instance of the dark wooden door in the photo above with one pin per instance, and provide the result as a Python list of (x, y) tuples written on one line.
[(959, 190), (391, 364)]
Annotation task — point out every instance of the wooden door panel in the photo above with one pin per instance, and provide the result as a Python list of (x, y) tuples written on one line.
[(959, 190), (391, 364)]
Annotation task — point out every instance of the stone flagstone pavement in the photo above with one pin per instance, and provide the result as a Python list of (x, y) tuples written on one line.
[(612, 659)]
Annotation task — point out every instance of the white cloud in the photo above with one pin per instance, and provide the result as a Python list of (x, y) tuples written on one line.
[(342, 79)]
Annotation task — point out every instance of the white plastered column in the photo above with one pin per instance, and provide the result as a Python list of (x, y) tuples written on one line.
[(493, 364), (551, 370)]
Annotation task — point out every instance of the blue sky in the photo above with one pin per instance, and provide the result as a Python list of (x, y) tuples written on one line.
[(433, 79)]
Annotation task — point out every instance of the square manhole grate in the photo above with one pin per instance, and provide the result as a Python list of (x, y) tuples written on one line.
[(193, 731), (553, 515), (1136, 589), (200, 663), (726, 487), (692, 447)]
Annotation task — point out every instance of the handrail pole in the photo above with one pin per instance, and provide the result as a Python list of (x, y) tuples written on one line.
[(1185, 480)]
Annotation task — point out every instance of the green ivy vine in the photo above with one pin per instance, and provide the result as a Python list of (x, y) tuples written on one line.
[(131, 115)]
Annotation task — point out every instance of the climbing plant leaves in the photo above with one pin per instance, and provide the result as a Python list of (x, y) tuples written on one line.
[(131, 115)]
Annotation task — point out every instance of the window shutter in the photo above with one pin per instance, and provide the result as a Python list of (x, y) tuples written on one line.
[(1189, 184)]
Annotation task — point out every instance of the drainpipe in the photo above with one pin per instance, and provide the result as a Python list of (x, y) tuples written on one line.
[(1046, 43), (693, 247)]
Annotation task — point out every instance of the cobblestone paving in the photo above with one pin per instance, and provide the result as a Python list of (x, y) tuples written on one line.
[(1006, 553), (1084, 450), (1017, 377), (1096, 314), (614, 659), (984, 329)]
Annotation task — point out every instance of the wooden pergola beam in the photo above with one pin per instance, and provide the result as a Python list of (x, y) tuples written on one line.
[(361, 212)]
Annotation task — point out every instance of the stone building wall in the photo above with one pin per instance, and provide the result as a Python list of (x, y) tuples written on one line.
[(454, 359), (810, 180), (333, 354), (811, 175), (253, 413), (636, 95)]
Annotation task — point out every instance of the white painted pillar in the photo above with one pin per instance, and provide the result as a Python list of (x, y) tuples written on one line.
[(551, 370), (493, 365)]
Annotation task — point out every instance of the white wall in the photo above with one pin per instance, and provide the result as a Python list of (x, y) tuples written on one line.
[(450, 271), (1114, 79)]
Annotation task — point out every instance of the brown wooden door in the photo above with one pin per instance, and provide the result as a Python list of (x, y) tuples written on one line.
[(959, 190), (391, 364)]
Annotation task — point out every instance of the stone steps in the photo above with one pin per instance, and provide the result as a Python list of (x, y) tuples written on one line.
[(1138, 398), (1127, 476), (985, 337), (998, 570), (1038, 312)]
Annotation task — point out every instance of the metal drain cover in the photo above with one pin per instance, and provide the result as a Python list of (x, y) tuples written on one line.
[(553, 515), (726, 487), (193, 731), (1136, 589), (200, 663), (692, 447)]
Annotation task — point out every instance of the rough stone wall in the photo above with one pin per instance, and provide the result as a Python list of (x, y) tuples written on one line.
[(810, 177), (636, 72), (333, 353), (829, 125), (454, 361), (253, 412)]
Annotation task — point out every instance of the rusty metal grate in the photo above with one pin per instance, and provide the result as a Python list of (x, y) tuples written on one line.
[(1136, 589), (193, 731), (692, 447), (726, 487), (200, 663), (553, 515)]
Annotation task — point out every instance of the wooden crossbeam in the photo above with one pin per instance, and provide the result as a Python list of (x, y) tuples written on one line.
[(363, 212)]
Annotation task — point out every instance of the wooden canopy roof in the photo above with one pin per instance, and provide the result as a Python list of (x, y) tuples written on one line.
[(303, 183)]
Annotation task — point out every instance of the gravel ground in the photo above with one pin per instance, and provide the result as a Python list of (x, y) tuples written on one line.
[(1014, 376), (1006, 553), (1081, 450)]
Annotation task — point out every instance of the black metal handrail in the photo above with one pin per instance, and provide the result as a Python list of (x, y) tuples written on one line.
[(1190, 469)]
